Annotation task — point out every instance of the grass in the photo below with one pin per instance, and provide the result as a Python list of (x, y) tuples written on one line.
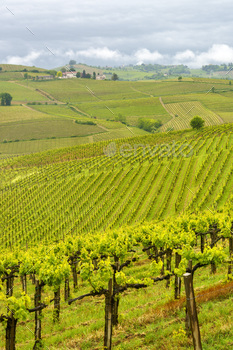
[(132, 109), (41, 129), (59, 110), (148, 318), (20, 93), (6, 76), (69, 111), (33, 146), (27, 147), (9, 114), (76, 90)]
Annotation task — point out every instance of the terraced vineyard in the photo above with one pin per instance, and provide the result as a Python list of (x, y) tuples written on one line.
[(183, 113), (123, 186)]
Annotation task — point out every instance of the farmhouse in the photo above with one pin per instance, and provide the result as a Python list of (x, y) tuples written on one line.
[(100, 77), (68, 75)]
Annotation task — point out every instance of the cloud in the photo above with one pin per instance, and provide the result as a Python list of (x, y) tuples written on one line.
[(114, 32), (28, 60), (145, 55), (184, 56), (100, 53), (216, 54)]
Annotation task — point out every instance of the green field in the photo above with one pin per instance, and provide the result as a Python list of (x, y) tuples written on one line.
[(153, 183), (133, 109), (147, 318), (102, 101), (21, 93), (10, 114), (81, 190), (90, 210), (183, 113), (38, 129)]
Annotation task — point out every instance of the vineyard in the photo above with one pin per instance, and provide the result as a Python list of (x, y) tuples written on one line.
[(102, 102), (183, 113), (107, 268), (104, 225), (127, 183), (21, 93)]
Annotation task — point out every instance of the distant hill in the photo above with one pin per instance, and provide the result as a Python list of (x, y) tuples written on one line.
[(19, 68), (80, 67)]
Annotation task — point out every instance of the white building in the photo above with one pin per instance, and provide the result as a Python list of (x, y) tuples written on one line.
[(68, 75)]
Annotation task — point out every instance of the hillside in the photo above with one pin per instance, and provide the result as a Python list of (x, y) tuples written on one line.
[(18, 68), (104, 104), (130, 181), (99, 218)]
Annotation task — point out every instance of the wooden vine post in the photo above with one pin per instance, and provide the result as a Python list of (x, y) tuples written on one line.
[(213, 235), (169, 264), (11, 321), (24, 283), (192, 310), (57, 304), (230, 266), (177, 278), (38, 314), (116, 296), (74, 272), (108, 317), (67, 289)]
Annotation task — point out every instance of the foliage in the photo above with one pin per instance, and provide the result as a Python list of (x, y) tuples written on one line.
[(197, 123), (120, 118), (148, 124), (115, 77), (6, 99), (72, 62)]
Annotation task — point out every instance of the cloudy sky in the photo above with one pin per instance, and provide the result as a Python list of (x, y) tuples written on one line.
[(48, 33)]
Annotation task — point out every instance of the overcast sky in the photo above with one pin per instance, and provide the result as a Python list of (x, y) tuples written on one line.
[(48, 33)]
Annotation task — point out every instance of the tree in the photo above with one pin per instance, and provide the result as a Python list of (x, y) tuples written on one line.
[(59, 74), (0, 69), (197, 122), (72, 62), (25, 75), (180, 78), (63, 70), (84, 74), (94, 75), (121, 118), (115, 77), (78, 75), (5, 99), (149, 125)]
